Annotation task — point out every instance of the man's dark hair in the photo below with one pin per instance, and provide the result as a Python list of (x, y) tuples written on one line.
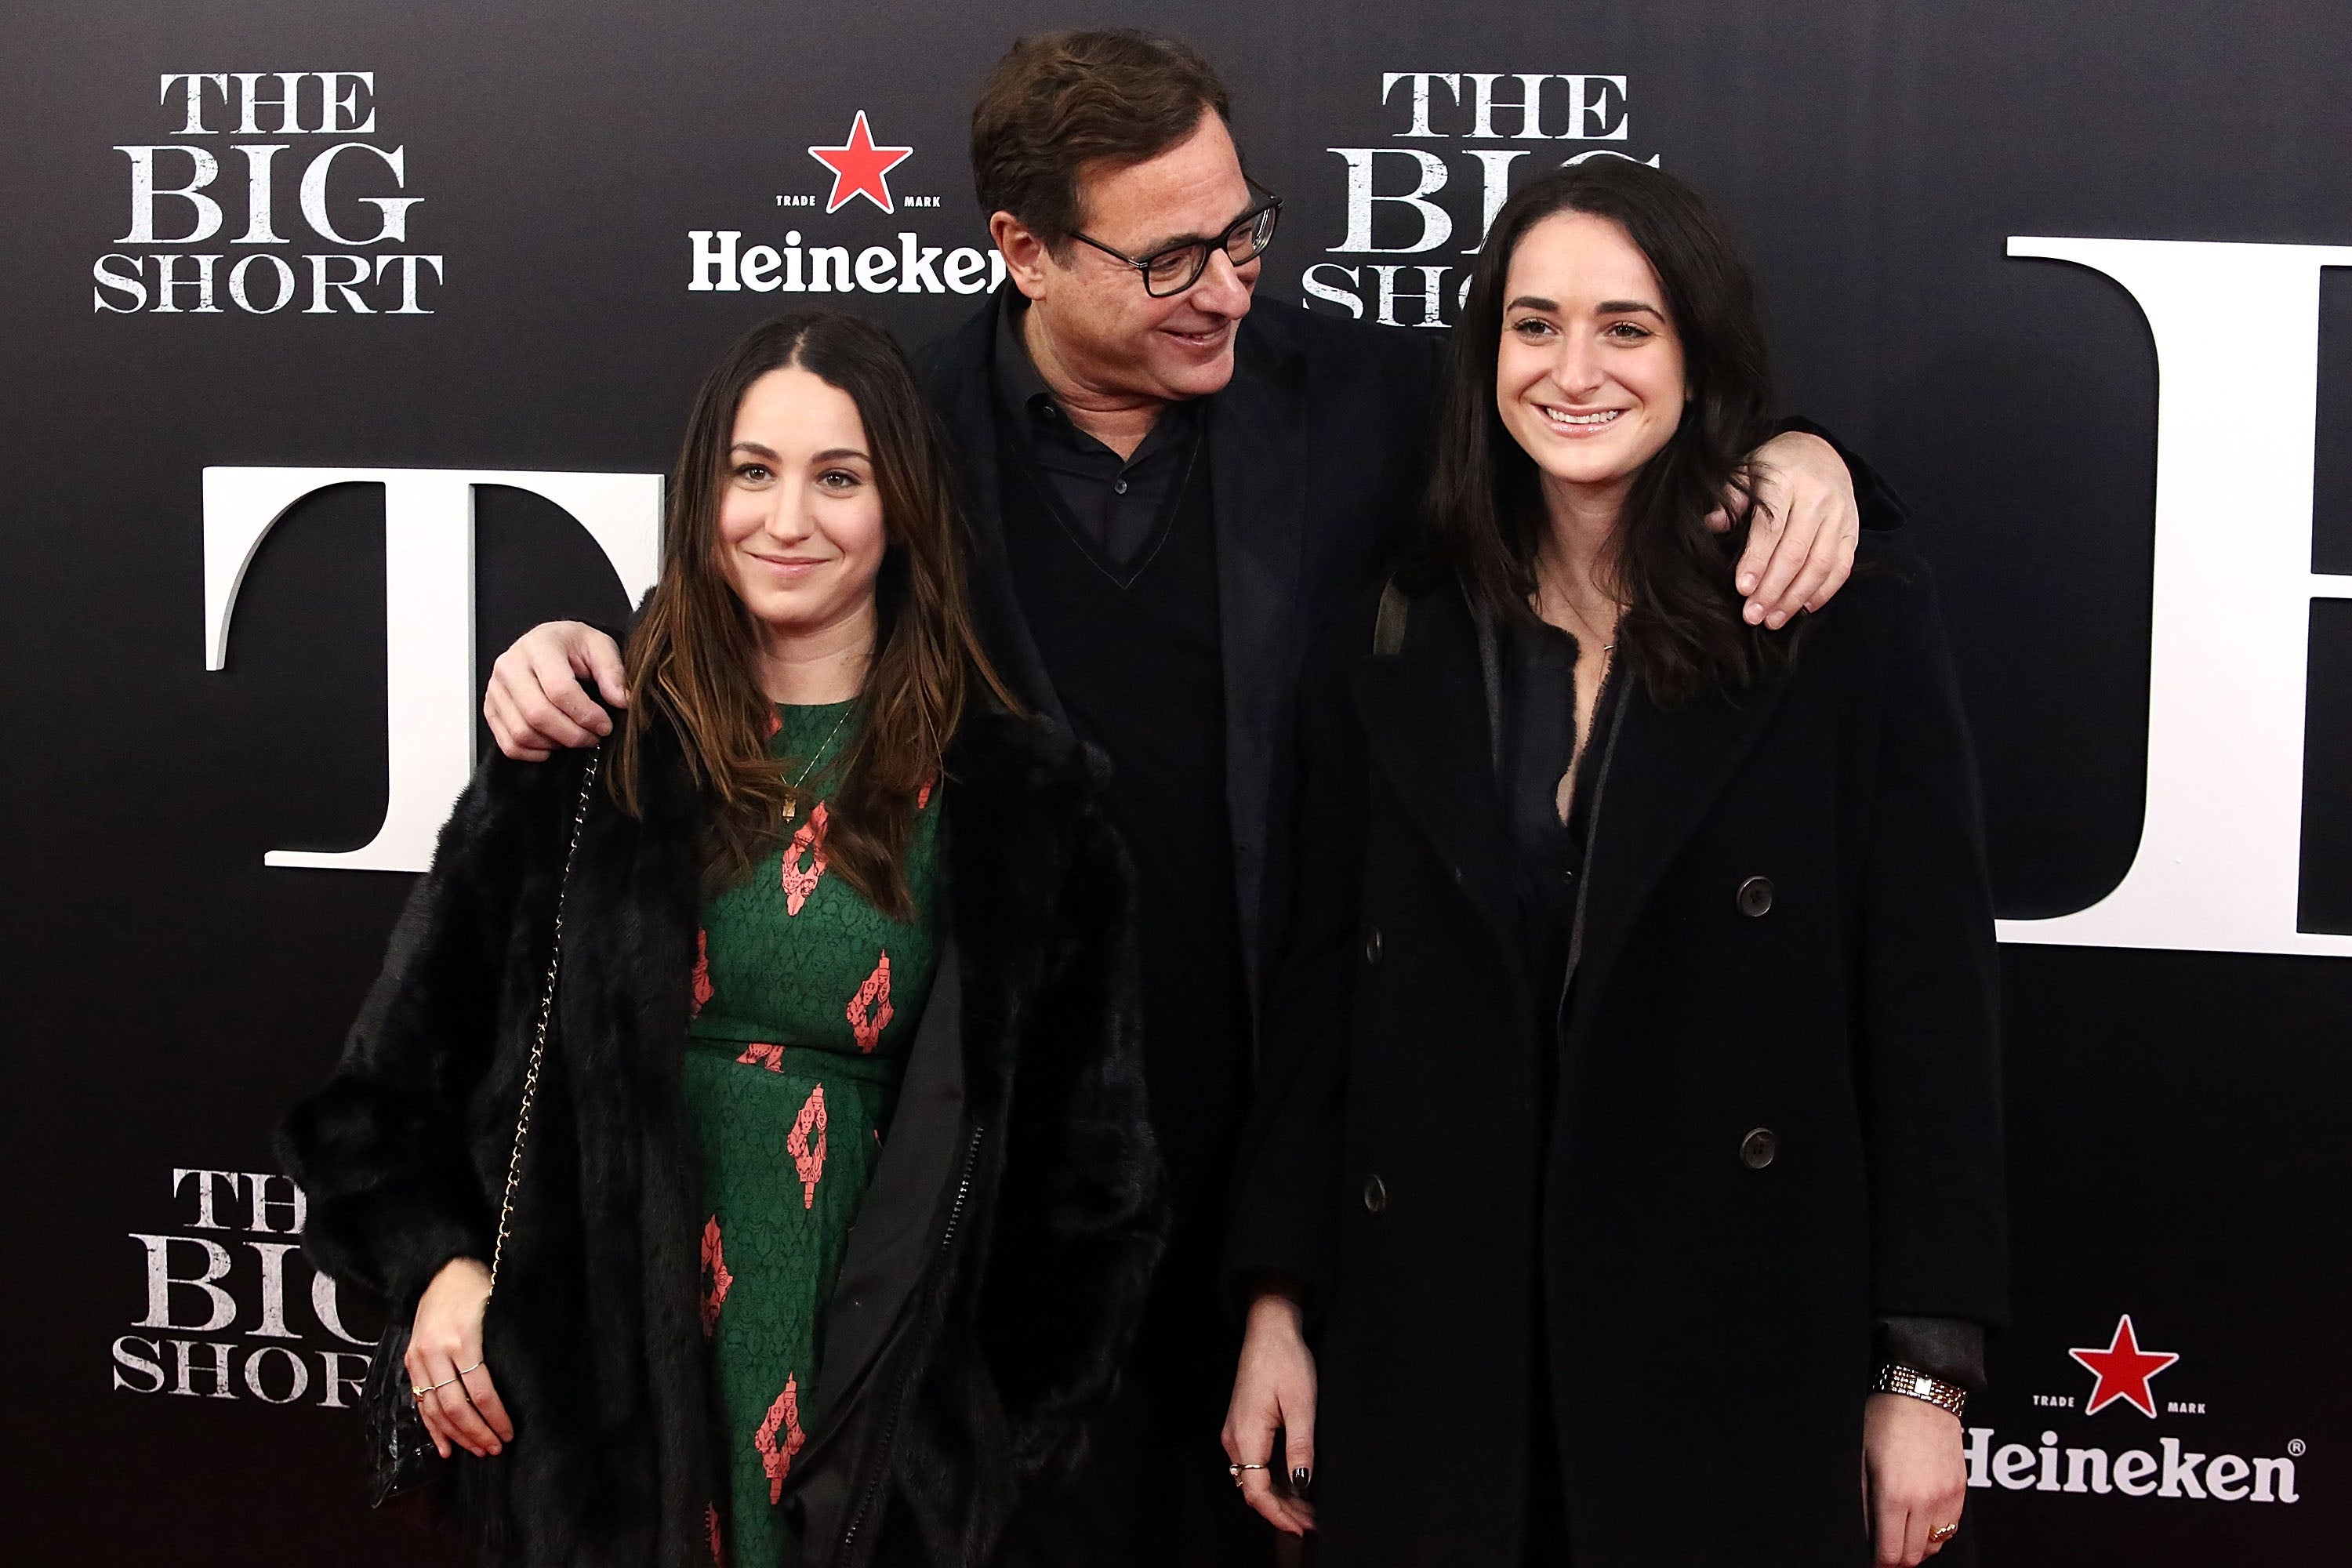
[(1681, 631), (1059, 102)]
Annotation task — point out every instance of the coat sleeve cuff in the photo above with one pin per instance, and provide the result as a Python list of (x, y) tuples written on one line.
[(1256, 1255), (1949, 1349), (1881, 507)]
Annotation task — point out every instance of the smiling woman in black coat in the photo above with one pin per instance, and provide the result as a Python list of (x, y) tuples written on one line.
[(1006, 1218), (1629, 1109)]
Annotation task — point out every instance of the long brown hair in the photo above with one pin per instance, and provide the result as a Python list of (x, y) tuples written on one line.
[(691, 661), (1681, 631)]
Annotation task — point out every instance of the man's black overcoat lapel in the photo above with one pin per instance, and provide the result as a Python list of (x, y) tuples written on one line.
[(1256, 466), (956, 375)]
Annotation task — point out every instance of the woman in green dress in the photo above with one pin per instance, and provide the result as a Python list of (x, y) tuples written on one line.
[(792, 1275)]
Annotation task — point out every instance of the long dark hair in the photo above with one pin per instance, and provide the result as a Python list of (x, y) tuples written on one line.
[(691, 661), (1681, 630)]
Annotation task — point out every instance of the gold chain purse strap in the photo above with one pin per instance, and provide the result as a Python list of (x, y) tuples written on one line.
[(546, 1015), (407, 1475)]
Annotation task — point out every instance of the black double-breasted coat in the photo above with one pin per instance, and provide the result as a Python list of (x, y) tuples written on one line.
[(1767, 1112), (1002, 1255)]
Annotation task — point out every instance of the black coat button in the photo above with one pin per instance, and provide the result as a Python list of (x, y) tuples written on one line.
[(1755, 897), (1372, 948), (1376, 1195), (1755, 1150)]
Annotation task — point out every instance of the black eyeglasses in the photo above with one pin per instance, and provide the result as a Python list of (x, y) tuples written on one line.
[(1171, 271)]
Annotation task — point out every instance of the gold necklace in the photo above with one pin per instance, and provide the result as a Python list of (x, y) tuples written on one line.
[(792, 801)]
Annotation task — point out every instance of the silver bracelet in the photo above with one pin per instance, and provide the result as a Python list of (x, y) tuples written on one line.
[(1903, 1380)]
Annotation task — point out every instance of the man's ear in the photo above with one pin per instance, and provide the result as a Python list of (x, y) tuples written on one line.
[(1027, 261)]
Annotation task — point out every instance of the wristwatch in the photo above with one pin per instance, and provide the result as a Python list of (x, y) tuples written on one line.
[(1893, 1379)]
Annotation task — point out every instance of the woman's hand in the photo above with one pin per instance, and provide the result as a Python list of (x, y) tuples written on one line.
[(1800, 547), (534, 703), (1915, 1476), (1275, 1388), (445, 1356)]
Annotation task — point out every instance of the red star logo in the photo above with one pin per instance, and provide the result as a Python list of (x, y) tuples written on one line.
[(860, 168), (2123, 1369)]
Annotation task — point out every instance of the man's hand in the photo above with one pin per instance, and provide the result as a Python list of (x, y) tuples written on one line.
[(535, 704), (1915, 1476), (1273, 1389), (1800, 545)]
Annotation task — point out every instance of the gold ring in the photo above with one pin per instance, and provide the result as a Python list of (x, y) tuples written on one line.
[(419, 1390), (1944, 1532)]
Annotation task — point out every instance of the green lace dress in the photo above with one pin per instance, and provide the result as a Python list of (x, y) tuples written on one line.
[(805, 999)]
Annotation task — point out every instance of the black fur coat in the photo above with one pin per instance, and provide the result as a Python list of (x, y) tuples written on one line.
[(998, 1262)]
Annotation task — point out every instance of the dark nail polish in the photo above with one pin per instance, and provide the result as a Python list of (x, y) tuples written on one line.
[(1301, 1478)]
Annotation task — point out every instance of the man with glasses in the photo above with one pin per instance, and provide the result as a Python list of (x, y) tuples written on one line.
[(1168, 493)]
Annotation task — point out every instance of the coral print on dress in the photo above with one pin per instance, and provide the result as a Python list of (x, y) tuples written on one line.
[(702, 991), (763, 1054), (780, 1437), (716, 1280), (809, 841), (809, 1155), (869, 1010)]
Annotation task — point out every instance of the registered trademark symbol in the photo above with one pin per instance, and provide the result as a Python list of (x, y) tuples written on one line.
[(2294, 1447)]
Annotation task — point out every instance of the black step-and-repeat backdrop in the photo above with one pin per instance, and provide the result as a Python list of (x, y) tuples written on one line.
[(339, 346)]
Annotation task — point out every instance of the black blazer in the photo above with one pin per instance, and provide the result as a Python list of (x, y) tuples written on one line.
[(1777, 1113), (1319, 449), (1001, 1258)]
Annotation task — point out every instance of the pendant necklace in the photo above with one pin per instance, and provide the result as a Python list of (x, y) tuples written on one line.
[(792, 801)]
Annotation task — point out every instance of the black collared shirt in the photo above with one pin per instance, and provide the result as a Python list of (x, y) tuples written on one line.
[(1119, 504), (1539, 740)]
